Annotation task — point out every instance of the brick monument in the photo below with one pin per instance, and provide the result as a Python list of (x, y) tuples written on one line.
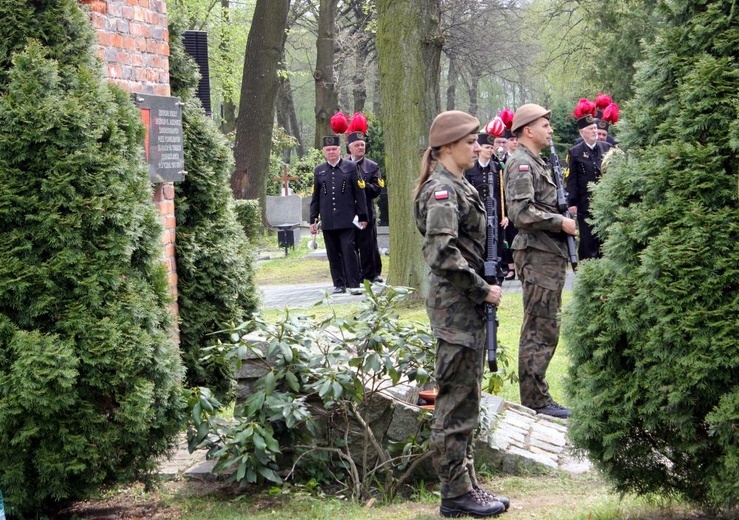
[(133, 42)]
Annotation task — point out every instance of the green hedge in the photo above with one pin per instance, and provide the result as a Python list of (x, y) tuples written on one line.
[(249, 215), (214, 260), (90, 379), (653, 326)]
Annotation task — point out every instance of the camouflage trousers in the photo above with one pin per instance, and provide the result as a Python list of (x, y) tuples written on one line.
[(456, 411), (542, 277)]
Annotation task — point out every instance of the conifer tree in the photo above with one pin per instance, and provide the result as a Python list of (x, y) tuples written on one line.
[(90, 390), (214, 262), (653, 327)]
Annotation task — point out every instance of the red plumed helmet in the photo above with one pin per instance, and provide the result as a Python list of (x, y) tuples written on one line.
[(583, 108), (339, 122), (602, 101), (495, 126), (507, 116), (358, 123), (610, 113)]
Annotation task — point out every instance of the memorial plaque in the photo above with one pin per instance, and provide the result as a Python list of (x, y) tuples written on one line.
[(162, 117)]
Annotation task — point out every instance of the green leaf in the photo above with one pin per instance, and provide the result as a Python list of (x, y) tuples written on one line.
[(269, 474), (287, 353), (324, 388), (272, 444), (292, 381), (203, 430), (338, 390), (259, 442), (256, 401), (196, 414), (270, 382)]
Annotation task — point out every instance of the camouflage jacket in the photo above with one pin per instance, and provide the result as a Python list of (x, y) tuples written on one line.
[(450, 216), (531, 203)]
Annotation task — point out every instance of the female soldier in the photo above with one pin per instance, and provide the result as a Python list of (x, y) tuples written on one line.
[(451, 218)]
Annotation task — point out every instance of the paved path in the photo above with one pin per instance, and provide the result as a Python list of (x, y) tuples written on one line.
[(306, 294)]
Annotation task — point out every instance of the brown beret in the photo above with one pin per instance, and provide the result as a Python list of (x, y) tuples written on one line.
[(528, 113), (330, 140), (451, 126)]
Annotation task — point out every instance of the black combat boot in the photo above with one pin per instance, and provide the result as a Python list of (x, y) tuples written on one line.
[(470, 504), (554, 410), (490, 497)]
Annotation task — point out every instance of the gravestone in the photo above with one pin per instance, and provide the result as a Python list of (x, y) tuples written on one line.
[(283, 210)]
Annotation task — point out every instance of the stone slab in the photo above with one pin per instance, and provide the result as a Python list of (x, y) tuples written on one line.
[(281, 210)]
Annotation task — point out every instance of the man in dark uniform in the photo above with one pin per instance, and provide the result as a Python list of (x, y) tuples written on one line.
[(487, 164), (584, 160), (606, 112), (368, 171), (337, 199), (508, 144)]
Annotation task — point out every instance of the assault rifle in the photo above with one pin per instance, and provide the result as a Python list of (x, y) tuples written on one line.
[(562, 200), (492, 271)]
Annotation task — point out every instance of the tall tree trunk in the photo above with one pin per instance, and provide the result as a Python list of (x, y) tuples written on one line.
[(283, 118), (376, 96), (409, 52), (228, 108), (474, 93), (257, 104), (359, 90), (228, 114), (294, 123), (286, 116), (451, 89), (326, 95)]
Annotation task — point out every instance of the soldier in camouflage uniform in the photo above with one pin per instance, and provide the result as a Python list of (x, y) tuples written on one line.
[(539, 254), (451, 217)]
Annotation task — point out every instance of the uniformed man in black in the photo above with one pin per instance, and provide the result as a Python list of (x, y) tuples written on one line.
[(584, 161), (368, 171), (337, 199), (504, 147), (486, 165)]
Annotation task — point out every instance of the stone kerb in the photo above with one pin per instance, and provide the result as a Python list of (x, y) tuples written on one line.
[(523, 442)]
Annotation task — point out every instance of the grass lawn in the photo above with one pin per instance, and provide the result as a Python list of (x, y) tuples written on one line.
[(541, 497), (297, 266), (552, 496)]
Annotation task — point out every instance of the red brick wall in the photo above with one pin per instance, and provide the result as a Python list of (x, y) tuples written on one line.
[(134, 45)]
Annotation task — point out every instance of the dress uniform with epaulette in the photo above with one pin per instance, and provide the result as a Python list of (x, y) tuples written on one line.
[(368, 174), (337, 199), (478, 176), (584, 163)]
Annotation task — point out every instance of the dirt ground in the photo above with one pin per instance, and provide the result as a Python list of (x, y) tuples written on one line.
[(536, 500)]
